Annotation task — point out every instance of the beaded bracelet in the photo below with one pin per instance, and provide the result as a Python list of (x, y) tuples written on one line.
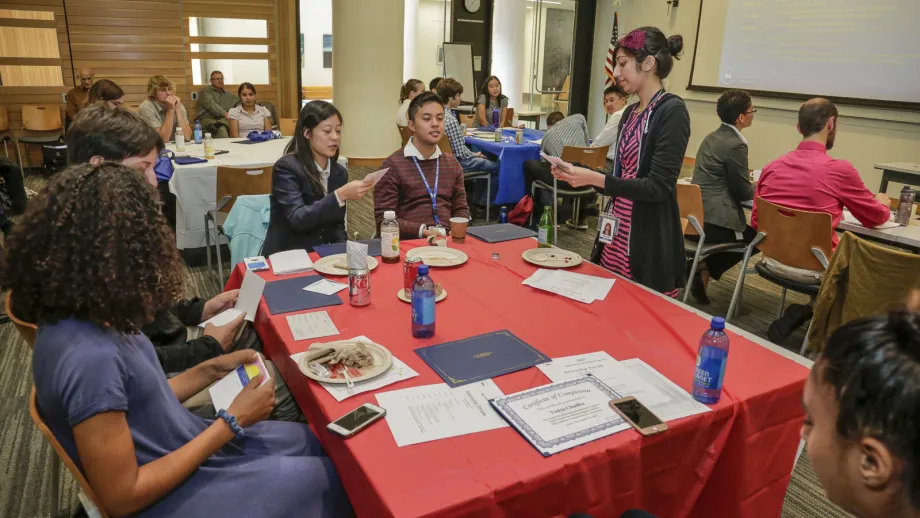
[(231, 422)]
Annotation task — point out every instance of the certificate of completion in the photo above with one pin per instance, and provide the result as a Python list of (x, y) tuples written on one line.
[(562, 415)]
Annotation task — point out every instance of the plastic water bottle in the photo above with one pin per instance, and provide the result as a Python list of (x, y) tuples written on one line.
[(423, 300), (180, 140), (710, 363), (209, 147), (198, 133), (389, 238), (503, 215)]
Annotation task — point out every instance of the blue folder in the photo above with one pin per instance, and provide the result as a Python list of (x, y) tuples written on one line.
[(500, 233), (288, 295), (373, 248), (480, 357)]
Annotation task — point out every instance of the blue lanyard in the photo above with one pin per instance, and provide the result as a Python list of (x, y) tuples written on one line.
[(433, 194)]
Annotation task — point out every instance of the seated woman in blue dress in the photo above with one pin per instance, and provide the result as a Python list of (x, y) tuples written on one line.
[(94, 260), (309, 186)]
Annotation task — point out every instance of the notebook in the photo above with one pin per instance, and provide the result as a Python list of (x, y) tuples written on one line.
[(290, 261), (288, 295), (500, 232)]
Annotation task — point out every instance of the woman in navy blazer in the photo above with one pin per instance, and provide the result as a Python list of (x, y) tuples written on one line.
[(309, 186)]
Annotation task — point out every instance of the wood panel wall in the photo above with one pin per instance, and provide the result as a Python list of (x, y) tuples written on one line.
[(127, 41)]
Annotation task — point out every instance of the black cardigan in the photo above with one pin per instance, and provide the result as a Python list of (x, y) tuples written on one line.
[(656, 242), (301, 218)]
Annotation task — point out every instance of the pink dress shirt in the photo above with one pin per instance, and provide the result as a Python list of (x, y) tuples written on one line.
[(809, 179)]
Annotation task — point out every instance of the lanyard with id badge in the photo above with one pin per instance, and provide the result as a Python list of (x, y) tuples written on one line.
[(607, 226)]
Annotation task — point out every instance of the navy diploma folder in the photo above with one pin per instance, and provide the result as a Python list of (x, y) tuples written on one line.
[(287, 295), (480, 357), (500, 233)]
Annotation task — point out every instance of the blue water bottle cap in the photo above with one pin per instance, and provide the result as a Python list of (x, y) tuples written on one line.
[(718, 323), (423, 269)]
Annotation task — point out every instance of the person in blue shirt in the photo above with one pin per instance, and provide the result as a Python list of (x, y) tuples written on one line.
[(101, 390), (309, 186)]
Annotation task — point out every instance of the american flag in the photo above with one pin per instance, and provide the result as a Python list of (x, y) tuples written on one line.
[(609, 65)]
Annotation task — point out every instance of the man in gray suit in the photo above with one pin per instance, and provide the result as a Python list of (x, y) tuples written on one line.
[(722, 173)]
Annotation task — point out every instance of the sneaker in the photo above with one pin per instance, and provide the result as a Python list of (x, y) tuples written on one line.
[(581, 225)]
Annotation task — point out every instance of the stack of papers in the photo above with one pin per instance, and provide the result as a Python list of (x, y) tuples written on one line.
[(431, 412), (397, 372), (850, 218), (326, 287), (628, 378), (576, 286), (247, 302), (311, 325), (291, 261)]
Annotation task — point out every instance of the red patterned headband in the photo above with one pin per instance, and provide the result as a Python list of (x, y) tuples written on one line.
[(634, 41)]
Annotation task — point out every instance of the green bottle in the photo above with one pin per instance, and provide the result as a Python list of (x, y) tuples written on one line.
[(545, 236)]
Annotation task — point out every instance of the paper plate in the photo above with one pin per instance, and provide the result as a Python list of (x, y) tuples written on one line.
[(337, 264), (438, 256), (382, 361), (552, 257), (401, 295)]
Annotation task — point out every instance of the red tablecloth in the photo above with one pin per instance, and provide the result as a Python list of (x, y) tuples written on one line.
[(734, 461)]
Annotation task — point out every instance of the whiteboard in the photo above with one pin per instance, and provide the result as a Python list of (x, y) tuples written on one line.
[(458, 64)]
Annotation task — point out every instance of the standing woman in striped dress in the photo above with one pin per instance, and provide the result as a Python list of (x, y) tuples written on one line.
[(649, 245)]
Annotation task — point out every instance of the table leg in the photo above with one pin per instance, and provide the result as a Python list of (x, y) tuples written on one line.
[(884, 187)]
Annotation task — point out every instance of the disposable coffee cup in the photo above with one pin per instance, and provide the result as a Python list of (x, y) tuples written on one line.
[(458, 229)]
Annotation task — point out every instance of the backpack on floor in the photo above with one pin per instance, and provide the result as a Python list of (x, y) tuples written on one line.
[(521, 211)]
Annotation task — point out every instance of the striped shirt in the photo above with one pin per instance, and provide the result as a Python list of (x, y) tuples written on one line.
[(615, 256), (570, 131), (403, 190), (455, 136)]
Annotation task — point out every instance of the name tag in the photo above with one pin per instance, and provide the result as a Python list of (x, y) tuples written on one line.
[(607, 226)]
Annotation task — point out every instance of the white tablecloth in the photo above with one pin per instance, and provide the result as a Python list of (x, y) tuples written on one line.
[(195, 185)]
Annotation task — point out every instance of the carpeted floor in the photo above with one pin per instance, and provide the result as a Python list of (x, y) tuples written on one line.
[(25, 457)]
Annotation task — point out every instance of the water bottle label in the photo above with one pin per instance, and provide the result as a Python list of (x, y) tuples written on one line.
[(542, 235), (709, 371), (422, 310), (389, 241)]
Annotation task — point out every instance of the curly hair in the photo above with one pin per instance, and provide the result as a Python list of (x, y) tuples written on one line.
[(93, 246)]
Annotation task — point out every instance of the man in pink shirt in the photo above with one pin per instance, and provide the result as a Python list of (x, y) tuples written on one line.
[(809, 179)]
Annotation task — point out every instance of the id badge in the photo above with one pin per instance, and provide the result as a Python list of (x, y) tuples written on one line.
[(607, 226)]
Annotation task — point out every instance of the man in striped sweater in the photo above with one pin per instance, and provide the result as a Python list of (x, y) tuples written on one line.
[(424, 186)]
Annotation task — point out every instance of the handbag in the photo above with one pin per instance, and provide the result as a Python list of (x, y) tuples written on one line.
[(164, 167), (521, 211), (260, 136)]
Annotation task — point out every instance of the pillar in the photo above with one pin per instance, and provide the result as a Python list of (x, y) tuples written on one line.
[(508, 52), (367, 70), (409, 40)]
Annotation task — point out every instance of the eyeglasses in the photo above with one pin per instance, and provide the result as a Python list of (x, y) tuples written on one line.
[(751, 111)]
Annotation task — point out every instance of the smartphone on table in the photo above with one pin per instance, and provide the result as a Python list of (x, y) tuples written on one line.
[(639, 417), (356, 420)]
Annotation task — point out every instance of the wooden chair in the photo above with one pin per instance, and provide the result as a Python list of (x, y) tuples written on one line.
[(509, 116), (690, 204), (26, 330), (287, 126), (88, 498), (374, 162), (404, 134), (591, 157), (468, 119), (41, 124), (6, 134), (231, 183), (132, 107), (444, 144), (795, 238)]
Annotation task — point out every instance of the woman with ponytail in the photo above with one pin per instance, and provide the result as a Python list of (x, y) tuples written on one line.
[(648, 246), (408, 92), (862, 425)]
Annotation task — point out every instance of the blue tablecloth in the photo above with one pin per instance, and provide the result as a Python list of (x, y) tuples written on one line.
[(512, 156)]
